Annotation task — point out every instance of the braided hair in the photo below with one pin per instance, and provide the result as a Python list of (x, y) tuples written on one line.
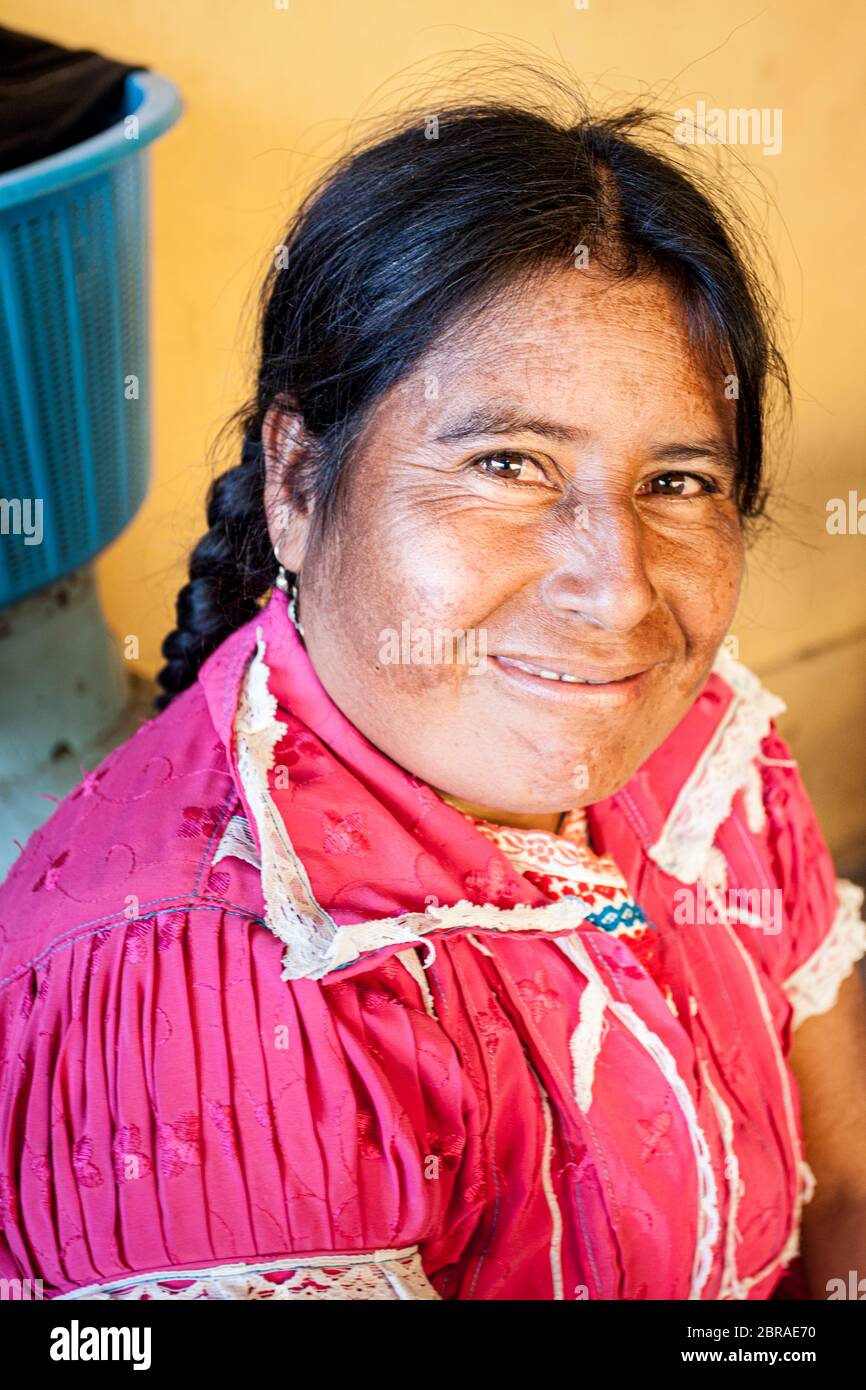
[(407, 234)]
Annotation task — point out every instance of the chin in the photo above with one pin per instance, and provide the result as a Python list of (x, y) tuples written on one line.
[(582, 784), (566, 795)]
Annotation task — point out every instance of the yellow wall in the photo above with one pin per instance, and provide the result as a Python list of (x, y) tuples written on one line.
[(270, 93)]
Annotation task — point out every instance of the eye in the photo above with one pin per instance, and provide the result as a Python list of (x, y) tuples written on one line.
[(511, 466), (675, 484)]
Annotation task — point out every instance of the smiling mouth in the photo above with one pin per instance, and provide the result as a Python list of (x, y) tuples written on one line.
[(548, 673)]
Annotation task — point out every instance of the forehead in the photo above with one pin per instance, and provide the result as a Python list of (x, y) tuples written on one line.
[(599, 355)]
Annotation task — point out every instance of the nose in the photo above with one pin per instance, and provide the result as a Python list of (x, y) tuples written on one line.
[(604, 580)]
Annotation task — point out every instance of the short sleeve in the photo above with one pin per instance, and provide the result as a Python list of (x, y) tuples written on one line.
[(179, 1122), (824, 934)]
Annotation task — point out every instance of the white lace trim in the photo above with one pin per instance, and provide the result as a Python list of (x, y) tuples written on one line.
[(237, 841), (479, 945), (708, 1199), (382, 1275), (549, 1190), (730, 1285), (585, 1043), (726, 766), (412, 964), (358, 939), (291, 911), (812, 988)]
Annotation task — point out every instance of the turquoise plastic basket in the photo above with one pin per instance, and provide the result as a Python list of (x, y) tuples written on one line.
[(75, 383)]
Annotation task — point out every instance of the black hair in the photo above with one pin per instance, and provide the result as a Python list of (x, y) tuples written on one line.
[(409, 234)]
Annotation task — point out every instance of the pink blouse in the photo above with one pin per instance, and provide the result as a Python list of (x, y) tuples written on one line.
[(278, 1022)]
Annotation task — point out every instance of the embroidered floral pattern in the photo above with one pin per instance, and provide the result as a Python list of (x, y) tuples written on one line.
[(368, 1147), (655, 1136), (8, 1203), (48, 879), (198, 820), (538, 996), (302, 758), (220, 1115), (447, 1148), (179, 1145), (130, 1163), (492, 1025), (491, 883), (89, 783), (86, 1171), (345, 834)]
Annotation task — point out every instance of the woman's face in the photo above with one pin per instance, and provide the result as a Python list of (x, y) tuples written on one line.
[(556, 483)]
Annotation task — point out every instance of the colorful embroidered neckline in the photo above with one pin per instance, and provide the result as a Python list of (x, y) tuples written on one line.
[(562, 864)]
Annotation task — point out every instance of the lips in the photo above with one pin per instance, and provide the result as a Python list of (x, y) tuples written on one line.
[(568, 673)]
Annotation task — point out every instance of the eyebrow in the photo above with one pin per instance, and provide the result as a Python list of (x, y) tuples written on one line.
[(716, 448), (507, 418)]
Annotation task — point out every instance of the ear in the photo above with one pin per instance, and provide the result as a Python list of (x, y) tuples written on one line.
[(286, 445)]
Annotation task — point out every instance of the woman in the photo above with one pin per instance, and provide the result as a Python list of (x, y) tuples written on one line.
[(447, 932)]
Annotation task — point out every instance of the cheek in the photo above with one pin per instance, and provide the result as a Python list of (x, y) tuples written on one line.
[(396, 585), (424, 572), (699, 577)]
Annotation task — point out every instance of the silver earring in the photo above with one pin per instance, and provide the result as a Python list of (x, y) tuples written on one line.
[(282, 582), (282, 579), (293, 606)]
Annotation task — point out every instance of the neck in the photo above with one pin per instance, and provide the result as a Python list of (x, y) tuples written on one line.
[(530, 820)]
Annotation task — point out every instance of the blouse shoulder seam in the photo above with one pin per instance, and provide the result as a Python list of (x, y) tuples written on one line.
[(100, 925)]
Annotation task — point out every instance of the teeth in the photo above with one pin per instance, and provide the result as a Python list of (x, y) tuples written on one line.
[(553, 675)]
